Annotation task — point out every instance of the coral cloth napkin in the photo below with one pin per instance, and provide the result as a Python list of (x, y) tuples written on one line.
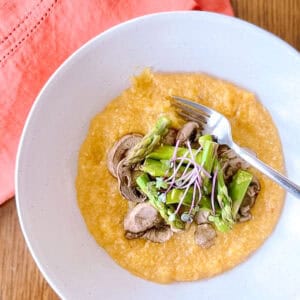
[(36, 36)]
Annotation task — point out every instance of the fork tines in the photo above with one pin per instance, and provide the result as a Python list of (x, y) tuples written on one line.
[(186, 110)]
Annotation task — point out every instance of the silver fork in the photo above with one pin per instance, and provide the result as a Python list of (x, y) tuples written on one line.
[(216, 124)]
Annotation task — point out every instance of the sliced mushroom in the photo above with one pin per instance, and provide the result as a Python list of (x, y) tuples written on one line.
[(254, 187), (205, 235), (126, 183), (231, 162), (251, 193), (245, 210), (119, 150), (248, 201), (155, 234), (170, 137), (201, 216), (142, 217), (187, 132), (131, 235), (158, 235), (246, 218), (131, 205)]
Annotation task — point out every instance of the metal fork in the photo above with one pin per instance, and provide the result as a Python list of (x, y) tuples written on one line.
[(216, 124)]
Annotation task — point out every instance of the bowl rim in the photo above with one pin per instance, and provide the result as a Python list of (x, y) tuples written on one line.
[(211, 15)]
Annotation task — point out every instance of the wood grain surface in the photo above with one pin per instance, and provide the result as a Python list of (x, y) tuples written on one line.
[(19, 277)]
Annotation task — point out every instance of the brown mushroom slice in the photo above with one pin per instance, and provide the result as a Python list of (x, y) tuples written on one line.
[(244, 214), (246, 218), (201, 216), (244, 210), (205, 235), (254, 187), (158, 235), (142, 217), (251, 193), (248, 201), (131, 205), (170, 137), (155, 234), (187, 132), (230, 162), (126, 183), (119, 150), (131, 235)]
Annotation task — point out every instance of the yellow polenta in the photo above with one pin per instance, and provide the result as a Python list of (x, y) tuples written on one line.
[(136, 110)]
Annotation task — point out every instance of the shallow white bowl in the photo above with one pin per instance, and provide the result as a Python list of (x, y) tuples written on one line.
[(74, 265)]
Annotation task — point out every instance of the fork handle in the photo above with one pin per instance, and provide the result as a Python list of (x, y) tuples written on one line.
[(283, 181)]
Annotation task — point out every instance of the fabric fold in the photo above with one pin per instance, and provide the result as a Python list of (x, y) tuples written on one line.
[(36, 36)]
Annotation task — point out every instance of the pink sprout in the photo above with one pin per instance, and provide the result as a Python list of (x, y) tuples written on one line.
[(193, 200), (213, 191), (181, 199), (199, 191), (188, 178)]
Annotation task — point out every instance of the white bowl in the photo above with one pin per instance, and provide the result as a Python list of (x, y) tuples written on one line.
[(74, 265)]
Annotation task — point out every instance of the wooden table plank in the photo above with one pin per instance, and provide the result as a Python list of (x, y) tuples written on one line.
[(19, 276), (279, 17)]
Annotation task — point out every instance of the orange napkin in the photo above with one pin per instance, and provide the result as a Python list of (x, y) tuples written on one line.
[(36, 36)]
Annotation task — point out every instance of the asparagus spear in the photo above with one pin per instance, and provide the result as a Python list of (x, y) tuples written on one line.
[(165, 152), (223, 198), (220, 224), (207, 159), (174, 197), (158, 168), (238, 189), (205, 203), (203, 138), (149, 141), (150, 191), (209, 152)]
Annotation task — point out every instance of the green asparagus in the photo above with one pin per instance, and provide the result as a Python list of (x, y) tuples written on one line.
[(220, 224), (205, 203), (175, 195), (166, 152), (204, 138), (223, 198), (238, 189), (149, 142), (209, 154), (208, 159), (160, 183), (150, 191), (159, 168)]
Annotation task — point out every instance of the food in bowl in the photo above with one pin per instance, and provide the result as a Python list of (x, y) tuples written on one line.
[(208, 230), (174, 178)]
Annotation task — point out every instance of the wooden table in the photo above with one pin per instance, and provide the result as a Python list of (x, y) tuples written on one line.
[(19, 276)]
